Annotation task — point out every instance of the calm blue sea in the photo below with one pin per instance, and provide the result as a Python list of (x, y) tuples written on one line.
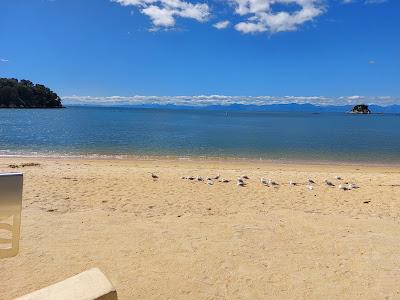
[(266, 135)]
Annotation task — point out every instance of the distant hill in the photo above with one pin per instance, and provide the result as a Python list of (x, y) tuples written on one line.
[(292, 107), (25, 94)]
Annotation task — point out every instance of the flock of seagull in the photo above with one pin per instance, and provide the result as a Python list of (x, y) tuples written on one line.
[(242, 181)]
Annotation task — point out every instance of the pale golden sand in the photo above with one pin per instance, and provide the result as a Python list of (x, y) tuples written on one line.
[(177, 239)]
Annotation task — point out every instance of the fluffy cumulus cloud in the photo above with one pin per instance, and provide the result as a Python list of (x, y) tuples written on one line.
[(207, 100), (262, 15), (222, 24), (255, 16), (164, 12)]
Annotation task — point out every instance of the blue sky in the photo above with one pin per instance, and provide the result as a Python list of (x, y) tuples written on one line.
[(302, 48)]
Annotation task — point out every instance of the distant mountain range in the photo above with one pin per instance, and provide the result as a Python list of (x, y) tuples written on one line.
[(294, 107)]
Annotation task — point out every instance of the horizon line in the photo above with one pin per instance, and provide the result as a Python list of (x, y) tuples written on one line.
[(224, 100)]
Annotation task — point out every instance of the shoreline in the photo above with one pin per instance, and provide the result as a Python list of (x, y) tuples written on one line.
[(225, 159)]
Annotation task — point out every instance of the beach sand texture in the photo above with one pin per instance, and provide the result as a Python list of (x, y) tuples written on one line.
[(178, 239)]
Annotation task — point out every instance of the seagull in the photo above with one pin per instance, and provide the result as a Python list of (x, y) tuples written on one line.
[(311, 181), (245, 177), (310, 187), (210, 182), (209, 178), (154, 176), (199, 178), (241, 183), (190, 178), (263, 180), (217, 177), (225, 180), (343, 187), (353, 186), (292, 183), (239, 179), (328, 182), (271, 182)]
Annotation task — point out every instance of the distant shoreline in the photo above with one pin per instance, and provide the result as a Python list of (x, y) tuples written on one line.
[(208, 159)]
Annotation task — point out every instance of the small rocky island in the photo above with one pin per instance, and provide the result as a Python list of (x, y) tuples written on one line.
[(361, 109), (16, 93)]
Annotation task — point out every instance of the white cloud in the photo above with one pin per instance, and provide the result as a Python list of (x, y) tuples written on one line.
[(222, 24), (364, 1), (375, 1), (4, 60), (262, 15), (163, 12), (256, 16), (206, 100)]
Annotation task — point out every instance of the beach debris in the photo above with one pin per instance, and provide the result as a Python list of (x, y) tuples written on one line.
[(190, 178), (217, 177), (154, 176), (23, 165), (225, 180), (310, 181), (183, 177), (199, 178), (210, 182), (240, 179), (292, 183), (343, 187), (328, 182), (310, 187), (338, 178), (245, 177), (209, 178), (366, 202)]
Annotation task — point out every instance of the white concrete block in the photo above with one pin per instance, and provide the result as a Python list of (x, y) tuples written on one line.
[(89, 285)]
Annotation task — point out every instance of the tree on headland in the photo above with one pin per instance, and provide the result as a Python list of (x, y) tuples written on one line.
[(25, 94), (361, 109)]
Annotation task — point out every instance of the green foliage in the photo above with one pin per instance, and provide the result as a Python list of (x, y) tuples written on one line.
[(25, 94), (361, 109)]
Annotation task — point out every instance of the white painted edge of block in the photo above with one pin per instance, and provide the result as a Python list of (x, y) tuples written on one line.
[(88, 285)]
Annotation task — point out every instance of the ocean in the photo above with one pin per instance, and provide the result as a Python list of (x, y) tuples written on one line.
[(282, 136)]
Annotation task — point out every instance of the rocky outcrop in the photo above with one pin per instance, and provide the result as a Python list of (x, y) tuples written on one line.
[(361, 109)]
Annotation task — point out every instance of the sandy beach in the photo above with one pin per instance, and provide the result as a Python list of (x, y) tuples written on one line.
[(179, 239)]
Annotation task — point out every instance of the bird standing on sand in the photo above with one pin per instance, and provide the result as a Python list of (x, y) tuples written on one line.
[(240, 183), (154, 176), (199, 178), (263, 180), (353, 186), (271, 182), (210, 182), (343, 187), (328, 182)]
